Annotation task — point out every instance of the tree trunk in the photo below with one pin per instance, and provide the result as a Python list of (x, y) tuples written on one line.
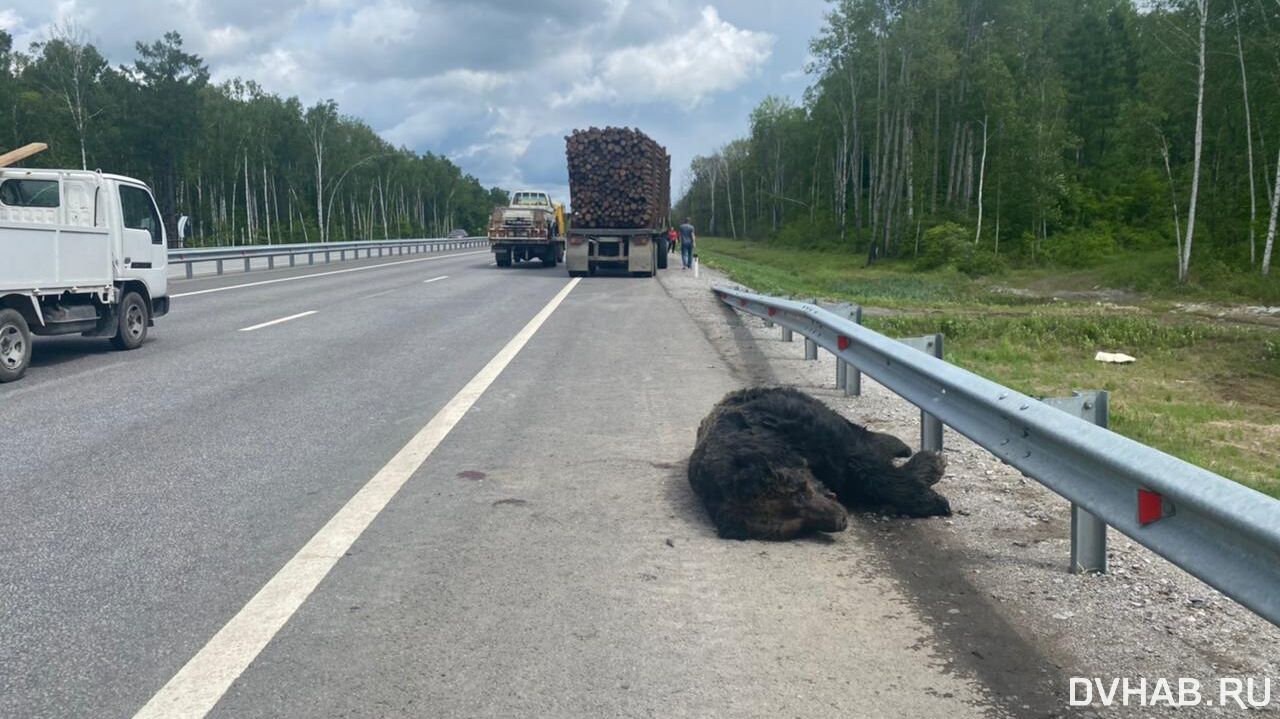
[(982, 175), (1248, 132), (1271, 224), (1184, 264), (1173, 196), (937, 150)]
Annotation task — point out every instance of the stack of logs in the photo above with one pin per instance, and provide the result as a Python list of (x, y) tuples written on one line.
[(619, 178)]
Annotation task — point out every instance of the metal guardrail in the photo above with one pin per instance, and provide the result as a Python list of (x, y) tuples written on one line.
[(248, 253), (1222, 532)]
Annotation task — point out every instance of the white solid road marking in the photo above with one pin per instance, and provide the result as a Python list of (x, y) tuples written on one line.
[(198, 686), (323, 274), (276, 322), (435, 279)]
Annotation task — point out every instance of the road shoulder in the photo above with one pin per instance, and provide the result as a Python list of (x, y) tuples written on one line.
[(992, 579)]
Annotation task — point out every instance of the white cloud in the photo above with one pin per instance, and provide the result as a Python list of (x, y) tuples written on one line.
[(384, 23), (491, 83), (9, 19), (711, 57)]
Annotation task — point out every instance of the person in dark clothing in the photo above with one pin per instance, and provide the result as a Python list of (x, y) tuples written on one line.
[(687, 239)]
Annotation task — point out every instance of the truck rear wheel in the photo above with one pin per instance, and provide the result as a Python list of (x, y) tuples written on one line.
[(503, 259), (131, 322), (15, 345), (550, 255)]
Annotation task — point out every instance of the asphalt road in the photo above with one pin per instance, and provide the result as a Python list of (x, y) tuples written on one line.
[(544, 557)]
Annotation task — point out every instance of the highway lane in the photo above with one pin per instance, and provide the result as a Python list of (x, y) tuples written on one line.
[(148, 494), (548, 559), (231, 298)]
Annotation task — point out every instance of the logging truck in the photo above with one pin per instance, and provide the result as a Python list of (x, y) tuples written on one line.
[(530, 227), (80, 253), (619, 183)]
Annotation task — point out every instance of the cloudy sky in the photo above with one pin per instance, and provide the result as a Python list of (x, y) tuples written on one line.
[(493, 84)]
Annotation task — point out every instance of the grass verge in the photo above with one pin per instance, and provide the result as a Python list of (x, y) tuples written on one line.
[(1201, 390)]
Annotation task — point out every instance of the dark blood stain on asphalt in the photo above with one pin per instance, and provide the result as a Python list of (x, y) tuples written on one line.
[(471, 474)]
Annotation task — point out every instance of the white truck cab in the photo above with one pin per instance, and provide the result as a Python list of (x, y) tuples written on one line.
[(530, 227), (81, 252)]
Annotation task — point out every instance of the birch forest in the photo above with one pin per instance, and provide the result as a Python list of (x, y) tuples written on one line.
[(247, 166), (1035, 132)]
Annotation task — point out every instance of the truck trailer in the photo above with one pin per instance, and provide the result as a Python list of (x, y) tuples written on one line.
[(81, 252), (620, 188)]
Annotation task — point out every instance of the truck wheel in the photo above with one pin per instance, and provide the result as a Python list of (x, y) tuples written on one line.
[(662, 254), (15, 345), (591, 268), (503, 259), (549, 256), (131, 323)]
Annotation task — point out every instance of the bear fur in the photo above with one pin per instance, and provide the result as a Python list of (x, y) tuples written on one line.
[(775, 463)]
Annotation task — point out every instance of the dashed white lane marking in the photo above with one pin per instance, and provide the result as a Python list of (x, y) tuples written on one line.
[(435, 279), (322, 274), (276, 322), (198, 686), (379, 294)]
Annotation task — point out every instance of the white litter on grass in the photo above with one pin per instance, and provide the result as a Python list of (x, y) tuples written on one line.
[(1114, 358)]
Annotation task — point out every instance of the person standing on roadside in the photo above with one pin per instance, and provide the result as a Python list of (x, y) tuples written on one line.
[(687, 238), (672, 236)]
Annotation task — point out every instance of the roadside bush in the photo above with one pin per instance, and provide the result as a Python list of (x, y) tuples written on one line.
[(805, 234), (942, 245), (1086, 247), (978, 262), (951, 245)]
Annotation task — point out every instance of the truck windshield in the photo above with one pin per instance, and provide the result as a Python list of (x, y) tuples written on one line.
[(530, 198)]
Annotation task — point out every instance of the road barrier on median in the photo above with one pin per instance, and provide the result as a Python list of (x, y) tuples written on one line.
[(1222, 532), (371, 248)]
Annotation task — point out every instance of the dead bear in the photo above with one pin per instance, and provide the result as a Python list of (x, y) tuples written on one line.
[(775, 463)]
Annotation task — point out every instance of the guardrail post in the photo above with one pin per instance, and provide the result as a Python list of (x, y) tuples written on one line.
[(189, 270), (219, 266), (848, 378), (326, 256), (246, 264), (810, 349), (853, 382), (292, 260), (1088, 533), (311, 258), (271, 262), (786, 334), (930, 426)]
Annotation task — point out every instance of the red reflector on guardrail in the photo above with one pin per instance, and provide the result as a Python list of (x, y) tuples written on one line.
[(773, 311), (742, 303), (1150, 507), (842, 342)]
